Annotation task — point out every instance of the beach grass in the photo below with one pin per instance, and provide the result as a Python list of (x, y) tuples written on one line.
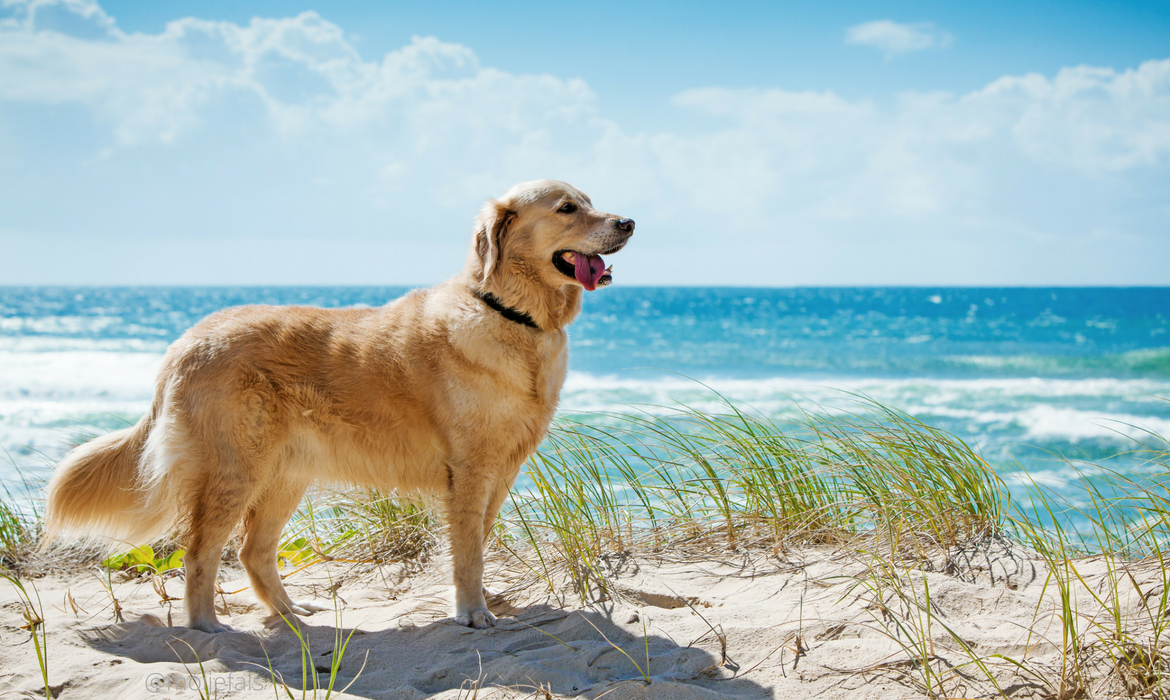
[(33, 612), (699, 481), (1113, 622), (20, 524), (903, 495), (897, 493)]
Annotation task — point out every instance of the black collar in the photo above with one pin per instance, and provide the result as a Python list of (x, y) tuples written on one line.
[(507, 312)]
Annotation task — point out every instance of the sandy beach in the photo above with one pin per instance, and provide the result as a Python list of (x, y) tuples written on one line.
[(822, 622)]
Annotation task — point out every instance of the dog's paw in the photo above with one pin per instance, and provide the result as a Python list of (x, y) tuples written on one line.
[(480, 618), (304, 607), (210, 626)]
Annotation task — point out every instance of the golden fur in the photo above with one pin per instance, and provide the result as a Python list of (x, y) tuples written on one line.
[(435, 392)]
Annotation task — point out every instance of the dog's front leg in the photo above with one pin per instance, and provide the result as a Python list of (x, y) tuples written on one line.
[(467, 502)]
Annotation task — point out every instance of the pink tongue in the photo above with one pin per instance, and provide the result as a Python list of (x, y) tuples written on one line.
[(590, 268)]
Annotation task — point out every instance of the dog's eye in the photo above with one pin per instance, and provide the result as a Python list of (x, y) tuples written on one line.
[(567, 208)]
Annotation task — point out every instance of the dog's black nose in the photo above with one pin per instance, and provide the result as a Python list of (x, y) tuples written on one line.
[(626, 225)]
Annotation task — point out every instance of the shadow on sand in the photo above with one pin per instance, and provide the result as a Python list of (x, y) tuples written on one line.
[(573, 653)]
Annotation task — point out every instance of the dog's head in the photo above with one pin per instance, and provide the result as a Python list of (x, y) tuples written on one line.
[(548, 233)]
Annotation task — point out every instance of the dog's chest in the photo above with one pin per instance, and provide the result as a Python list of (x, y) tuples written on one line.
[(513, 377), (536, 373)]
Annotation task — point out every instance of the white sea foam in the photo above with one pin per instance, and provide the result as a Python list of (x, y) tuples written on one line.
[(35, 433), (78, 374), (1044, 478), (1044, 423), (1034, 409), (49, 399), (941, 390), (10, 344), (90, 325)]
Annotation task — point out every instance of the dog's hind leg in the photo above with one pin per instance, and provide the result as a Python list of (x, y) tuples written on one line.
[(262, 527), (218, 504)]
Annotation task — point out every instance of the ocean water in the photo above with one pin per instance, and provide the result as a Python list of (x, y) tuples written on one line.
[(1040, 380)]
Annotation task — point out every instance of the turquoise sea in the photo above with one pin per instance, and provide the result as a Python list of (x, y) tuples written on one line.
[(1033, 377)]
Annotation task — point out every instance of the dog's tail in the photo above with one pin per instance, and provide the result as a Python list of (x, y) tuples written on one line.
[(105, 489)]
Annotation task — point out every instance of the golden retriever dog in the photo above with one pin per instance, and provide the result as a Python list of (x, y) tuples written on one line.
[(446, 390)]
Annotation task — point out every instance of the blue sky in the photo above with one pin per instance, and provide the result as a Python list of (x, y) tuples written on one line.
[(754, 143)]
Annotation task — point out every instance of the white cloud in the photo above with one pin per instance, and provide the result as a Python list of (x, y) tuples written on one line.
[(280, 128), (300, 70), (927, 155), (894, 38), (1090, 119)]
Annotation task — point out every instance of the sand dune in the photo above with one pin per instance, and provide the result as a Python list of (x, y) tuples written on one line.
[(715, 627)]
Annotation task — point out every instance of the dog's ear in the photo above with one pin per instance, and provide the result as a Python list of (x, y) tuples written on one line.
[(490, 229)]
